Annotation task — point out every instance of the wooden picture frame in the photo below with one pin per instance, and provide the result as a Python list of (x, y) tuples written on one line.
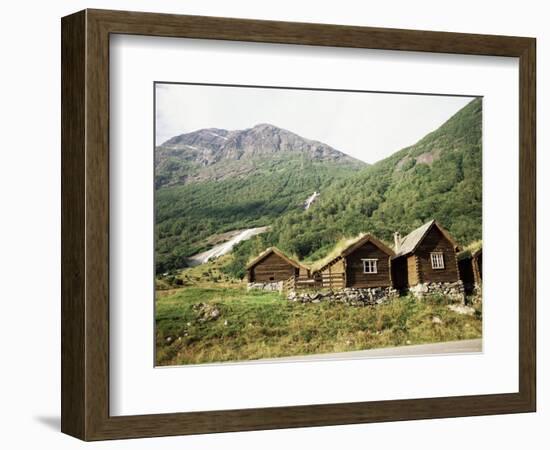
[(85, 224)]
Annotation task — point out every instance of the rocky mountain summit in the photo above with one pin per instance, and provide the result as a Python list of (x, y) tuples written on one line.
[(185, 157), (212, 145)]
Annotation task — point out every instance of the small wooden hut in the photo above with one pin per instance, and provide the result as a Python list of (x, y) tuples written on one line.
[(426, 255), (477, 261), (365, 263), (272, 266), (470, 266)]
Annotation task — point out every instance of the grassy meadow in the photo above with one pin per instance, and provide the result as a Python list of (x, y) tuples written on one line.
[(198, 324)]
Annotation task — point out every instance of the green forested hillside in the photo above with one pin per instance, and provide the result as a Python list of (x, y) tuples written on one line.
[(439, 177), (186, 215)]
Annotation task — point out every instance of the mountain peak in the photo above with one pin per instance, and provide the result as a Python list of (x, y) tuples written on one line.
[(262, 139), (261, 126), (214, 148)]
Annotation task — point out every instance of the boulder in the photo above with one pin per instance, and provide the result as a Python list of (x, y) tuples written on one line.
[(420, 289), (462, 309)]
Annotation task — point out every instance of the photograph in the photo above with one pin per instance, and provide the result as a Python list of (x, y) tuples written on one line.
[(300, 223)]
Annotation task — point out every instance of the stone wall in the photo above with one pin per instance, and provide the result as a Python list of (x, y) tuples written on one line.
[(476, 295), (455, 290), (349, 296), (271, 286)]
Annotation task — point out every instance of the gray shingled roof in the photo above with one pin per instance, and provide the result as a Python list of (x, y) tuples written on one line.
[(410, 242)]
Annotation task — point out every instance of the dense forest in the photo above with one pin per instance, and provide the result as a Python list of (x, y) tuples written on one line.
[(439, 177), (188, 214)]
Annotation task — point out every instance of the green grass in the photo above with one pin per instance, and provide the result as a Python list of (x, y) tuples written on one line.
[(254, 325)]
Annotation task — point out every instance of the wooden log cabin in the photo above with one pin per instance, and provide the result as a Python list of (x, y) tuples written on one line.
[(365, 263), (273, 266), (477, 261), (470, 266), (426, 255)]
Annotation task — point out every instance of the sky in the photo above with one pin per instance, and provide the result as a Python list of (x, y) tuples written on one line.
[(368, 126)]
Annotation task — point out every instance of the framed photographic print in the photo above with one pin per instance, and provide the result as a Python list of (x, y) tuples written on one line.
[(271, 224)]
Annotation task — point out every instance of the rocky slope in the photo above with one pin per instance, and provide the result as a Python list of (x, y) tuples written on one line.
[(215, 154)]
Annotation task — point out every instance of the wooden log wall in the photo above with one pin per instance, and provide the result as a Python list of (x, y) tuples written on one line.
[(356, 277), (272, 268), (434, 241), (334, 276)]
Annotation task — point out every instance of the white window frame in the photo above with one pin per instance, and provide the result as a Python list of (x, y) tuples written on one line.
[(438, 260), (372, 264)]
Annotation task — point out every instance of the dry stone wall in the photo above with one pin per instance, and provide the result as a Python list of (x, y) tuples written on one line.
[(455, 290), (272, 286), (349, 296)]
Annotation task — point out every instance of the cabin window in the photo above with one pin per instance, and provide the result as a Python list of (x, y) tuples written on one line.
[(437, 260), (370, 266)]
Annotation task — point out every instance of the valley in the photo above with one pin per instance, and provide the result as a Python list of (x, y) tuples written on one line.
[(210, 182)]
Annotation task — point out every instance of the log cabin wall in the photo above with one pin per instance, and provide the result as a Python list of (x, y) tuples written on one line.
[(303, 273), (272, 268), (412, 271), (333, 277), (477, 261), (435, 241), (355, 275)]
